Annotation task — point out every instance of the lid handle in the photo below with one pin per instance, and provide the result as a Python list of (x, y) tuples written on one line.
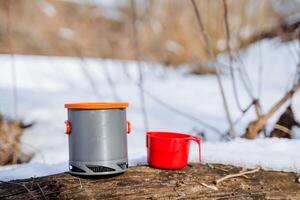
[(68, 127), (128, 127)]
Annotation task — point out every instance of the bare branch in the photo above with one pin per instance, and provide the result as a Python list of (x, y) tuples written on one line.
[(21, 185), (256, 126), (232, 73), (212, 187), (232, 131), (135, 42), (240, 174)]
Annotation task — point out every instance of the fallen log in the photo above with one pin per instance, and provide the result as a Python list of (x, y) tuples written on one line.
[(196, 181)]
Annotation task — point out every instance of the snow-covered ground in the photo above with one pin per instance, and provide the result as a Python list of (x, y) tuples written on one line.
[(45, 84)]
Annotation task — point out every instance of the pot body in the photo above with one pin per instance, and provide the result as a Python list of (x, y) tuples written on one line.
[(97, 141)]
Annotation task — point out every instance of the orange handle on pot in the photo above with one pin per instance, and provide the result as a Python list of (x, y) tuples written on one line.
[(68, 127), (128, 127)]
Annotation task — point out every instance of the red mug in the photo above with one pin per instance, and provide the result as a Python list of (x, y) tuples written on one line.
[(168, 150)]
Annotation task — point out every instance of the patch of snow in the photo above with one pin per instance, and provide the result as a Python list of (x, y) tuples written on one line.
[(246, 32), (286, 7), (156, 26), (45, 84), (31, 170), (48, 8), (107, 12), (270, 154), (110, 3), (66, 33), (221, 44), (173, 46)]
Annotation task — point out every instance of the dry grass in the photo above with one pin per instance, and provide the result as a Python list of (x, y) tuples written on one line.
[(11, 132), (168, 31)]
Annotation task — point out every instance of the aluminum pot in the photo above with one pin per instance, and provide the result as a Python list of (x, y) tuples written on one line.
[(97, 138)]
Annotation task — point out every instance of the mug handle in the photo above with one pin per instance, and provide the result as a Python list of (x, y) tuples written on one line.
[(198, 141)]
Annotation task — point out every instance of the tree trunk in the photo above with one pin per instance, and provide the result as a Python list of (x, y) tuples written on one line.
[(143, 182)]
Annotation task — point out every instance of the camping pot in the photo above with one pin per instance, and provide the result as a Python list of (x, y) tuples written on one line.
[(97, 138)]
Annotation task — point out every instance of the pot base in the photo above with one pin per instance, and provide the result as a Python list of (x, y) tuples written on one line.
[(99, 168)]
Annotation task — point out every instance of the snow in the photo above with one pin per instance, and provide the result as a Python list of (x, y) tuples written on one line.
[(48, 8), (45, 84), (106, 3), (31, 170), (270, 154), (66, 33)]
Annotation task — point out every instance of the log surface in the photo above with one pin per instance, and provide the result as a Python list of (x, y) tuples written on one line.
[(143, 182)]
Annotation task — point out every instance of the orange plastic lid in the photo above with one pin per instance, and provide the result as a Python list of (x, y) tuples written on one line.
[(96, 106)]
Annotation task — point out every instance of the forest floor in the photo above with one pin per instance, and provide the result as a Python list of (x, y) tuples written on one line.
[(193, 182)]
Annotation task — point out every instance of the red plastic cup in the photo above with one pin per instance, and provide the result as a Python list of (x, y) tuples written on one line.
[(167, 150)]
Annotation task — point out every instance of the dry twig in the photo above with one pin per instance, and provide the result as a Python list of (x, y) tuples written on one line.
[(22, 185), (42, 191), (229, 50), (240, 174), (213, 187), (80, 183)]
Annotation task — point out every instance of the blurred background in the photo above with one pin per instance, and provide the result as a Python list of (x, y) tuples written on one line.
[(167, 30), (202, 67)]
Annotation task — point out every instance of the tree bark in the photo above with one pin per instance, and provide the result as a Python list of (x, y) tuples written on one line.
[(143, 182)]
